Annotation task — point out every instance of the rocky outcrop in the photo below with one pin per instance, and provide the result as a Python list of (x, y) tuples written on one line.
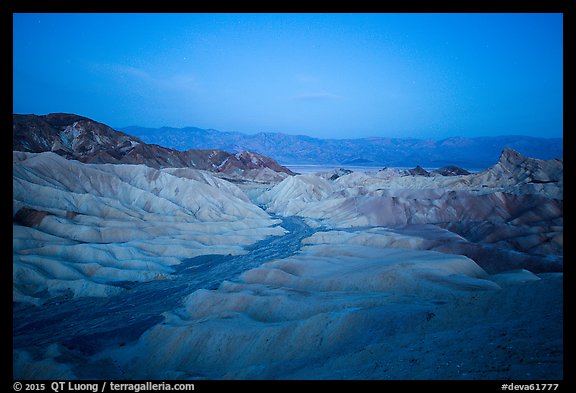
[(518, 168), (418, 171), (71, 136), (250, 160), (519, 174), (79, 138), (450, 170), (339, 173)]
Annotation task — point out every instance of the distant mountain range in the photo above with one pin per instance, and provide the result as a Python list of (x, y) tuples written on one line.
[(470, 153)]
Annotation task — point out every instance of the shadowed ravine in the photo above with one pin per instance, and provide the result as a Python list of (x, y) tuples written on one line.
[(86, 326)]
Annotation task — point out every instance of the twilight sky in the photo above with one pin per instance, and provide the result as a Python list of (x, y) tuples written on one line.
[(323, 75)]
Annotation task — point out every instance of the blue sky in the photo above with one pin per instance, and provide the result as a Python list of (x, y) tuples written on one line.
[(323, 75)]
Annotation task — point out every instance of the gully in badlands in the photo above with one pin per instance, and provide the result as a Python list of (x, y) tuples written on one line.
[(125, 271)]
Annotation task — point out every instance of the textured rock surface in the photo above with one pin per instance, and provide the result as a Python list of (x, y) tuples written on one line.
[(514, 206), (344, 311), (84, 227)]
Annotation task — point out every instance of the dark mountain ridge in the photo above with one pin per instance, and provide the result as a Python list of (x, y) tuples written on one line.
[(79, 138)]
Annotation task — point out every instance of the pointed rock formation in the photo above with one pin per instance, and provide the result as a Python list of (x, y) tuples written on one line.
[(523, 175), (418, 171), (450, 170)]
